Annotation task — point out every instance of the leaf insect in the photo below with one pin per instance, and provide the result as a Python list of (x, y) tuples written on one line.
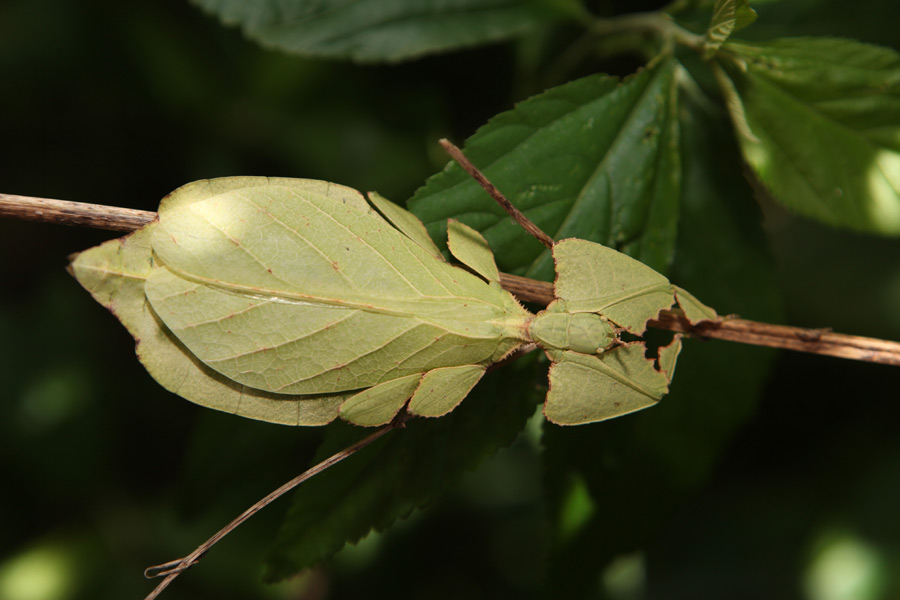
[(297, 301)]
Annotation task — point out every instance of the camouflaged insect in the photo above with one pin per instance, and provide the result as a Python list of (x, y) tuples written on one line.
[(297, 301)]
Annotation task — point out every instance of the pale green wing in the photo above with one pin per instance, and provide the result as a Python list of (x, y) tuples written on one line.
[(593, 278), (289, 291), (114, 273), (441, 390), (207, 188), (294, 243), (471, 249), (405, 221), (291, 347), (585, 389)]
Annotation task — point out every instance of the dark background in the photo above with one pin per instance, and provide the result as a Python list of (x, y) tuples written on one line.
[(105, 473)]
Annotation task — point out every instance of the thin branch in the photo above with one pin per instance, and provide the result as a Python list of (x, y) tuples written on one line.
[(814, 341), (489, 187), (174, 568), (78, 214)]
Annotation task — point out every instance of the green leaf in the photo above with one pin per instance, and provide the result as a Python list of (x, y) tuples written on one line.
[(372, 30), (728, 16), (594, 159), (640, 468), (401, 472), (819, 123)]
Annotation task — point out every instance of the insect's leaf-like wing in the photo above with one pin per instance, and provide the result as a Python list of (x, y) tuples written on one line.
[(286, 240), (292, 347), (587, 388), (114, 273), (288, 290)]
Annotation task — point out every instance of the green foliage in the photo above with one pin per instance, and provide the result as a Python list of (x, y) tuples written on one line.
[(819, 122), (616, 144), (642, 160), (400, 473), (728, 16), (371, 30)]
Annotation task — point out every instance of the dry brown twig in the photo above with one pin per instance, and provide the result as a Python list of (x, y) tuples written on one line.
[(813, 341)]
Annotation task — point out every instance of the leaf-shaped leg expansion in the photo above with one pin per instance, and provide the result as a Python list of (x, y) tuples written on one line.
[(441, 390), (433, 394), (379, 404), (586, 388), (593, 278)]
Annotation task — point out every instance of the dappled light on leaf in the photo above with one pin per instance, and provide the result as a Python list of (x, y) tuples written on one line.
[(822, 127)]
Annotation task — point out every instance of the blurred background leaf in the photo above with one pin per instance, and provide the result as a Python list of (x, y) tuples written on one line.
[(818, 122), (374, 31)]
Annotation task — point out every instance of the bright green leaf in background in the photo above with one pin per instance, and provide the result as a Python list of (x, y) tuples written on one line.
[(372, 30), (595, 159), (819, 121)]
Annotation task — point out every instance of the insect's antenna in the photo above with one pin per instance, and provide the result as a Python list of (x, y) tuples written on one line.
[(172, 569), (491, 189)]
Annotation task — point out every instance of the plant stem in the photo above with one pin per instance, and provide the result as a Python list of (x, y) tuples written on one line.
[(657, 23), (78, 214), (814, 341)]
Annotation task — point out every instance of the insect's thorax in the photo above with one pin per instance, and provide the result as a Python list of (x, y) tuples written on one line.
[(586, 333)]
